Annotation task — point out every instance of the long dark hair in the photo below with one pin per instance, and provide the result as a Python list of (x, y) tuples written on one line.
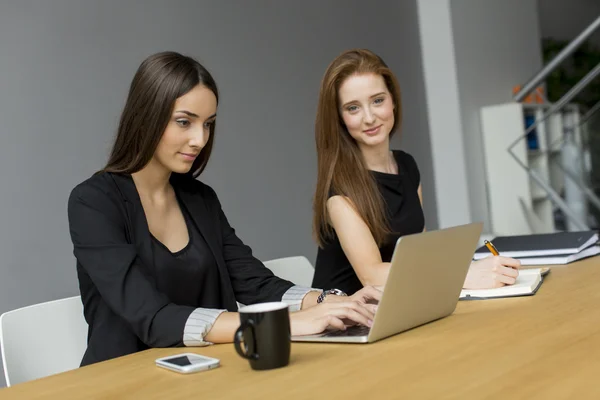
[(340, 164), (159, 81)]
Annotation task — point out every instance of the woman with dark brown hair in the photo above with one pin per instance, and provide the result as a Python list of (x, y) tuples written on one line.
[(368, 196), (157, 261)]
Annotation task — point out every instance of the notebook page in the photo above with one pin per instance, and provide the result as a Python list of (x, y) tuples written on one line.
[(526, 284)]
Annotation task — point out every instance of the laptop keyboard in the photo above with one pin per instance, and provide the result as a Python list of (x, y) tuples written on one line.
[(356, 330)]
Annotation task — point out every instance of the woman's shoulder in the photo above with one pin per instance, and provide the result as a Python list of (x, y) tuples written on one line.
[(407, 163), (404, 157), (100, 182), (100, 193), (112, 184), (99, 189)]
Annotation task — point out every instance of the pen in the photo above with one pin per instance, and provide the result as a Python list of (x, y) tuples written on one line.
[(491, 247), (493, 250)]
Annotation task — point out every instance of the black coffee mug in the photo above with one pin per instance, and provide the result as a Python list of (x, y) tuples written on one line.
[(265, 333)]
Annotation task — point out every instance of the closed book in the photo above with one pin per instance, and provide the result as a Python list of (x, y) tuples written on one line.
[(560, 259), (548, 244)]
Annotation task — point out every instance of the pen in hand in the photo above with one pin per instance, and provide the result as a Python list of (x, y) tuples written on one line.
[(491, 247)]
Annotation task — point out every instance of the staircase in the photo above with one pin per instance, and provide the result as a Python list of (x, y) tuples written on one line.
[(577, 151)]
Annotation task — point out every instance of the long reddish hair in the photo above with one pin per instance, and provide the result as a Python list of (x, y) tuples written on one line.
[(340, 166)]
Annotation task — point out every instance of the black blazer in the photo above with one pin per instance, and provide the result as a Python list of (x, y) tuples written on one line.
[(124, 309)]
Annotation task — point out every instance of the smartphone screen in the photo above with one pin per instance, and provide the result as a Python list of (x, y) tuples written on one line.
[(185, 360), (182, 361)]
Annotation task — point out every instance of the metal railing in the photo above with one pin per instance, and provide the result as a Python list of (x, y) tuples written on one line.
[(557, 106), (582, 184), (557, 60)]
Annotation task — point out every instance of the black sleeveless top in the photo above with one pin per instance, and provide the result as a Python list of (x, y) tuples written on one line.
[(405, 216)]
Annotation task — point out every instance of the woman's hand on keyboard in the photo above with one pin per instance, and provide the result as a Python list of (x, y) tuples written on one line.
[(332, 315), (366, 295)]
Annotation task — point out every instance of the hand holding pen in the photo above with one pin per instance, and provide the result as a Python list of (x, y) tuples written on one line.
[(492, 272), (490, 246)]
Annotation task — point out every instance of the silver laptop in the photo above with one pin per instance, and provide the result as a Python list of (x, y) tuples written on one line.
[(426, 276)]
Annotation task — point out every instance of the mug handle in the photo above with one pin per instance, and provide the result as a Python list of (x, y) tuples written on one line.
[(239, 337)]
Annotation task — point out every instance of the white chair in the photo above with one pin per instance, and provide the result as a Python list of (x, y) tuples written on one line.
[(294, 269), (43, 339)]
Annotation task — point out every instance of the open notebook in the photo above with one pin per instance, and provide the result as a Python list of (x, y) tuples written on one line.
[(527, 284)]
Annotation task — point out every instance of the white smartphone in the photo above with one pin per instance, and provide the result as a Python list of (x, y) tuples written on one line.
[(187, 363)]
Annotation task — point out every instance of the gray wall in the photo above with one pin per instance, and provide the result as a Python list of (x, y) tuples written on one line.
[(65, 67), (497, 45)]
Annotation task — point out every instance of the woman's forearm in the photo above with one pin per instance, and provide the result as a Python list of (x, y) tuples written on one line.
[(227, 323), (309, 300), (375, 275), (224, 328)]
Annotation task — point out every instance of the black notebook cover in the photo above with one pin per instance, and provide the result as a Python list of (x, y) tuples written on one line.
[(541, 245)]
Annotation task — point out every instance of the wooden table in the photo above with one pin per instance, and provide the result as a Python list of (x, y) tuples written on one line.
[(546, 346)]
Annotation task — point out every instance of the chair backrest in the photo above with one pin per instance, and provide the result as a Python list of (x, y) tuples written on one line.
[(295, 269), (42, 339)]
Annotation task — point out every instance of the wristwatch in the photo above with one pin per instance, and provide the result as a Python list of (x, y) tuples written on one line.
[(326, 293)]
